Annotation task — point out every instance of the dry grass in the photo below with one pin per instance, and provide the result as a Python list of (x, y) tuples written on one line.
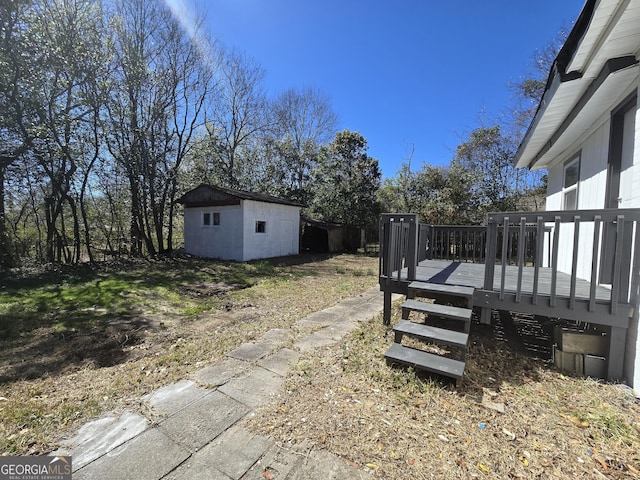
[(399, 425), (79, 342)]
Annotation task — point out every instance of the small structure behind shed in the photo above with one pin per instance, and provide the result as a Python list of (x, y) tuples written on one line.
[(238, 225), (319, 236)]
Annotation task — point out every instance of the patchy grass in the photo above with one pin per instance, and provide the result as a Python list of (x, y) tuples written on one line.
[(76, 342), (402, 425)]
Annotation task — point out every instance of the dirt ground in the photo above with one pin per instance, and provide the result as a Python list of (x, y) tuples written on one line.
[(67, 360), (513, 417)]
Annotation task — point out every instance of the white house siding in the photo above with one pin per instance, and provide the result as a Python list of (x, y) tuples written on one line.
[(281, 236), (632, 357), (591, 195), (222, 241)]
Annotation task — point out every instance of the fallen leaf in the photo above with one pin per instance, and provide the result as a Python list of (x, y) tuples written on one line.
[(490, 392), (524, 461), (371, 465), (483, 467), (443, 438), (601, 461), (578, 423), (509, 434)]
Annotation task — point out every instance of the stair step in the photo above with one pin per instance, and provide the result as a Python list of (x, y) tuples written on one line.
[(444, 311), (438, 288), (425, 361), (427, 332)]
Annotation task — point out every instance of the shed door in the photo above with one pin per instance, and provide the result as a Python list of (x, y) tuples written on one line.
[(287, 238)]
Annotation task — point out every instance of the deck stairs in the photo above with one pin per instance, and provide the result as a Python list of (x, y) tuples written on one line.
[(445, 329)]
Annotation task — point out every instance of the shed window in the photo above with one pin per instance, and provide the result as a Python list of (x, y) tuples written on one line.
[(261, 226), (570, 185), (210, 219)]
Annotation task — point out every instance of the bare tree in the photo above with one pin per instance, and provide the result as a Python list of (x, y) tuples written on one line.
[(154, 110), (303, 121), (238, 116)]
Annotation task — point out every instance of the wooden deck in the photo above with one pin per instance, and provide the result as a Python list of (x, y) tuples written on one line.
[(590, 303), (472, 275), (520, 262)]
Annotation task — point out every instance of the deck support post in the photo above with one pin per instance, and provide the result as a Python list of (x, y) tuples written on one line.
[(615, 361), (386, 313), (485, 316)]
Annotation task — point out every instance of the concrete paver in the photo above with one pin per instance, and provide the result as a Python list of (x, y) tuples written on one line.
[(235, 451), (257, 388), (197, 468), (148, 456), (325, 465), (317, 339), (220, 373), (173, 398), (202, 421), (275, 335), (252, 351), (280, 362), (277, 463), (101, 436), (195, 431)]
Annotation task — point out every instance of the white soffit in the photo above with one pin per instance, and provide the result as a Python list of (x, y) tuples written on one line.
[(610, 93), (614, 31)]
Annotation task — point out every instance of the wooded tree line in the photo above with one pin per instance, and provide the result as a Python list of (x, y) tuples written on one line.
[(109, 111), (480, 177)]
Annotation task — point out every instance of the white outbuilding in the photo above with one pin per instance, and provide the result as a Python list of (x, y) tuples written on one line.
[(237, 225)]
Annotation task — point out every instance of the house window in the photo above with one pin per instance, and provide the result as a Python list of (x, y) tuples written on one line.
[(570, 185), (210, 219), (261, 226)]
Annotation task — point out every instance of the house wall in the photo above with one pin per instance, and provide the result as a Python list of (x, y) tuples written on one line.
[(222, 241), (282, 233), (594, 150)]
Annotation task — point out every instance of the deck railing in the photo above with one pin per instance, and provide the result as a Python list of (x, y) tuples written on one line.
[(598, 246), (601, 246), (399, 246)]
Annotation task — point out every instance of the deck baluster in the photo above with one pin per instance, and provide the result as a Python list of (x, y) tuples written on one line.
[(522, 239), (539, 252), (595, 260), (554, 262), (617, 265), (506, 241), (574, 262)]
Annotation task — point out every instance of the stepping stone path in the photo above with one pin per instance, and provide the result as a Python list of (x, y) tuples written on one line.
[(194, 429)]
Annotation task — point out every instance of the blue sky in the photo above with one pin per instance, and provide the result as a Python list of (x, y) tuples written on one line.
[(406, 74)]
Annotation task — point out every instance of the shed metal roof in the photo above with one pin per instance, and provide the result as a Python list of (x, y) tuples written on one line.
[(205, 195)]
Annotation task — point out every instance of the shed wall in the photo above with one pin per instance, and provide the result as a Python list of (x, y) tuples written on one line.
[(282, 233), (222, 241)]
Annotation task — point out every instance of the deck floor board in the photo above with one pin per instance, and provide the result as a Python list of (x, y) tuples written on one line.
[(446, 272)]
